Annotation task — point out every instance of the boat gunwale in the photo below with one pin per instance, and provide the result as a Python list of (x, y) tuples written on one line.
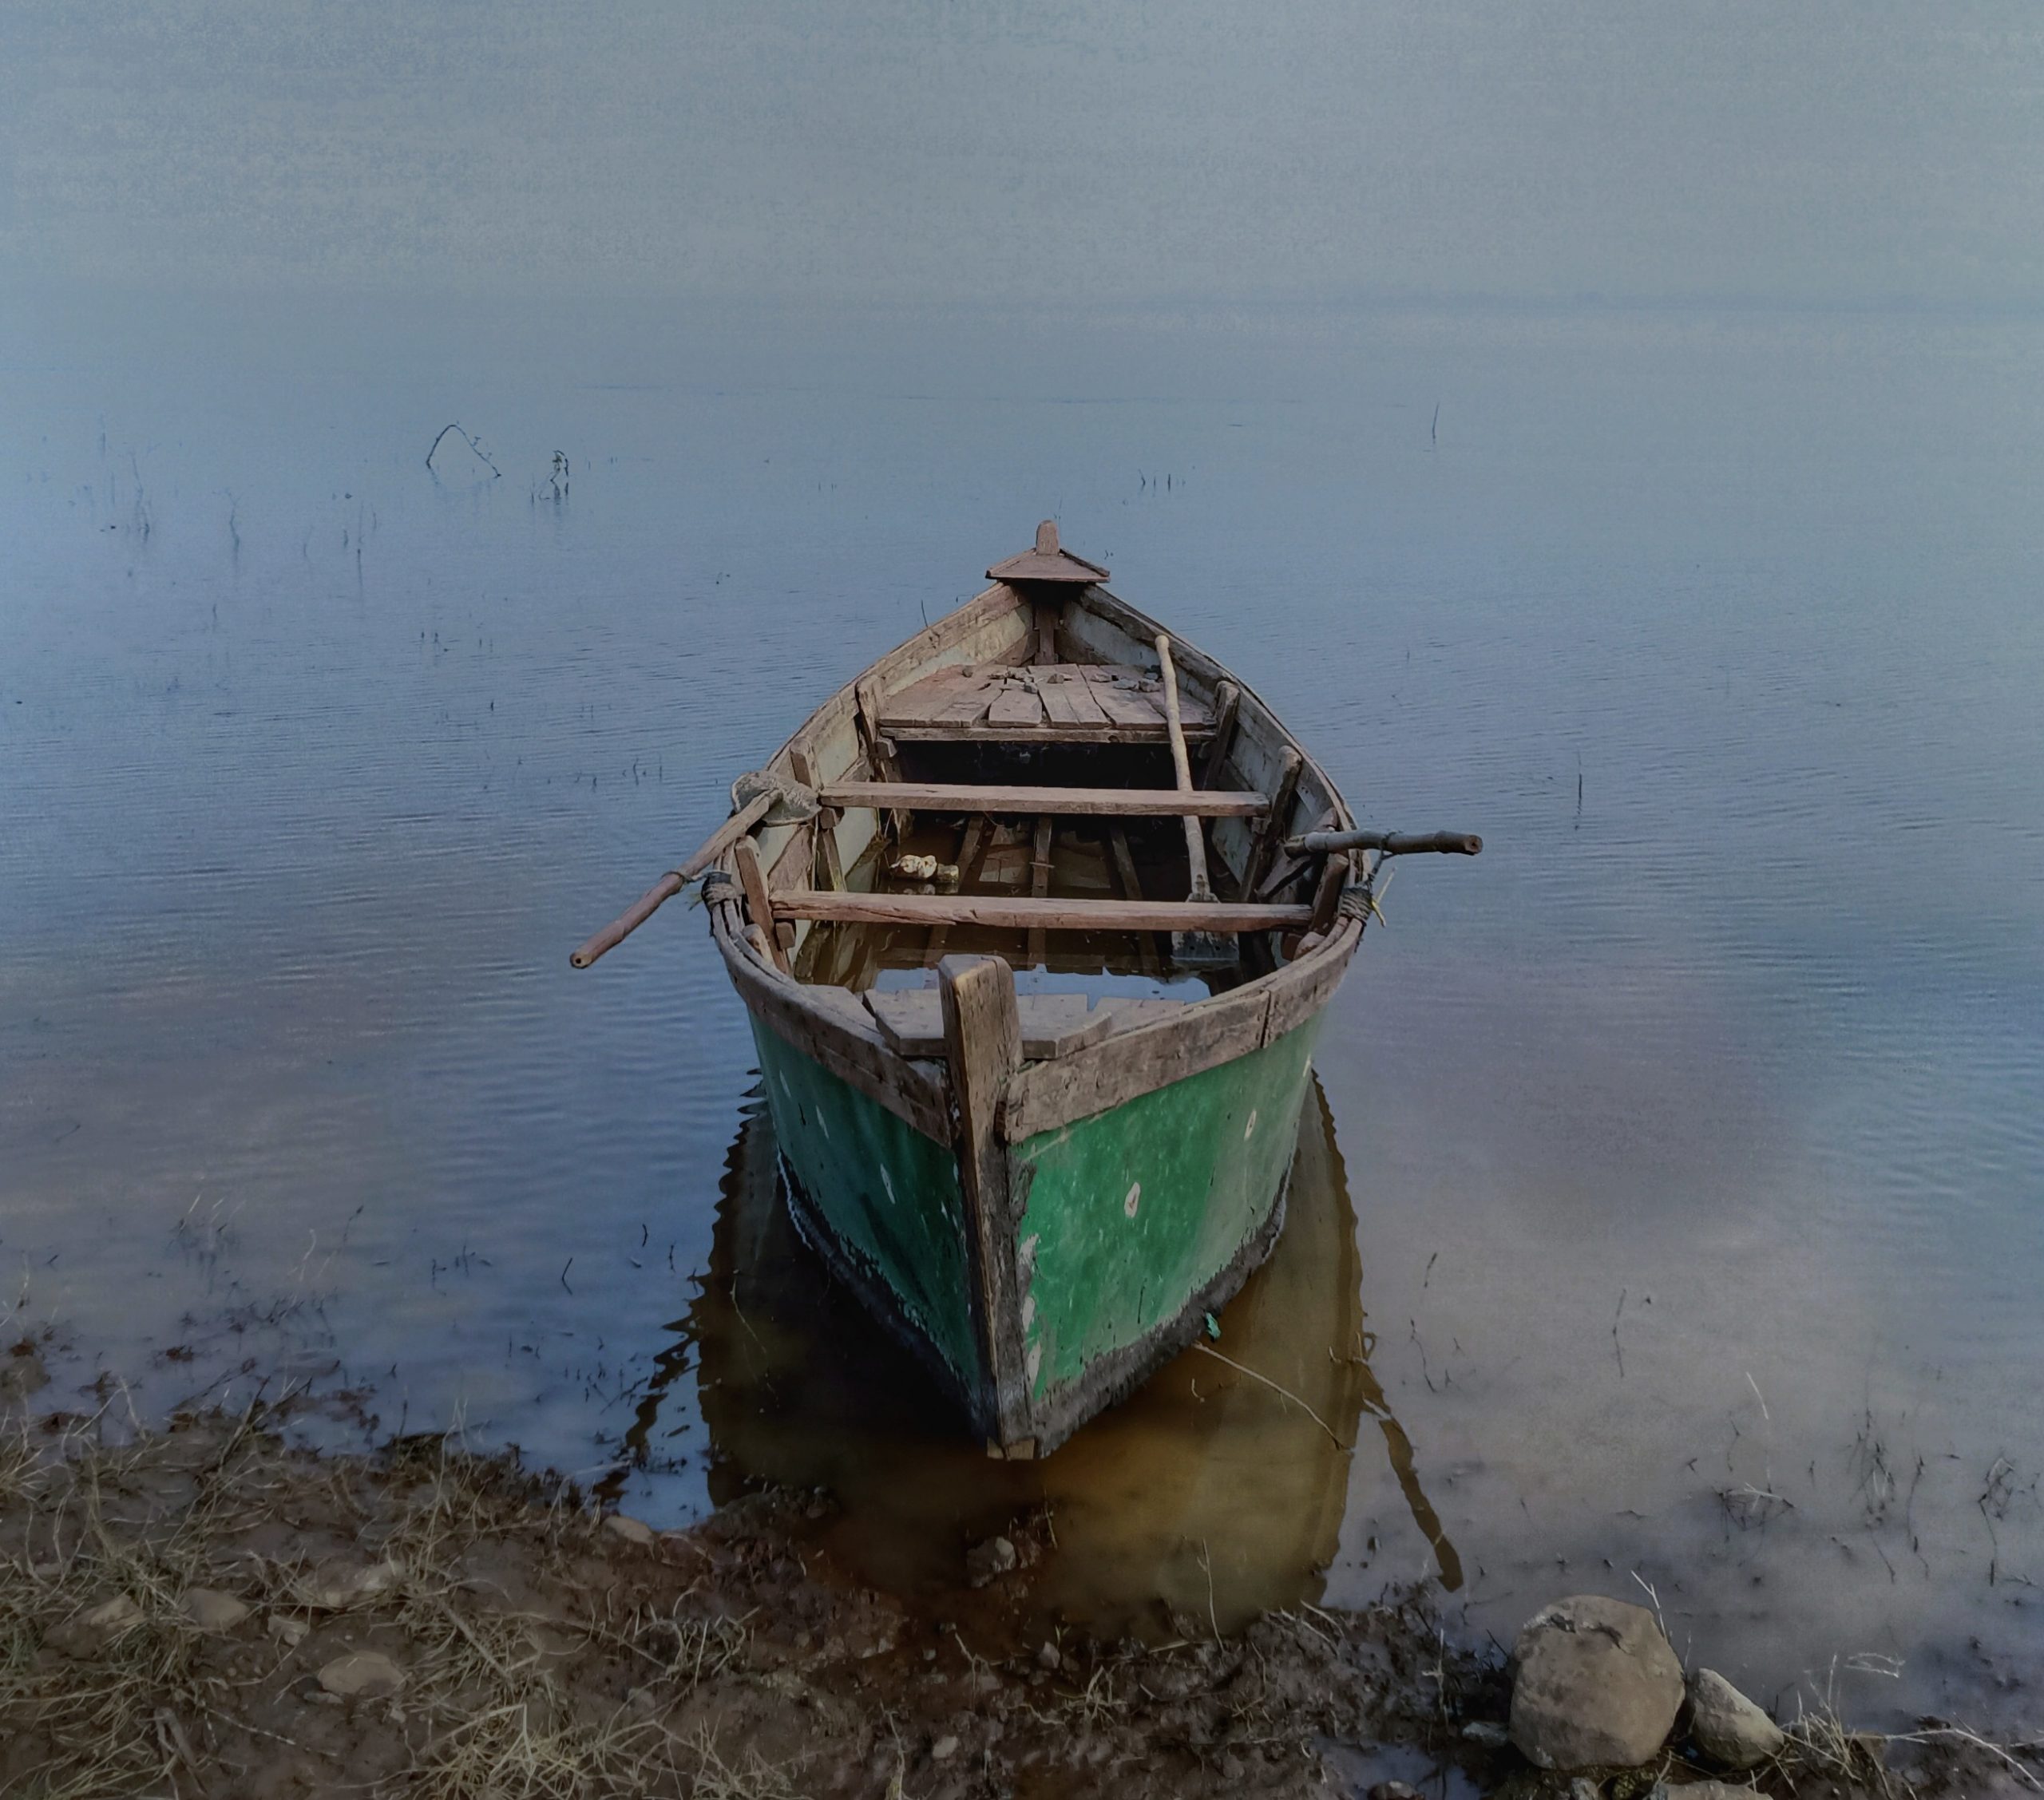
[(1049, 1092)]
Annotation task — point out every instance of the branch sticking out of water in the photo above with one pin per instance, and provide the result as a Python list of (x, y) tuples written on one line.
[(481, 455)]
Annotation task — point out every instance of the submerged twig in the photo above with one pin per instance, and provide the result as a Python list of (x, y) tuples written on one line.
[(1275, 1388)]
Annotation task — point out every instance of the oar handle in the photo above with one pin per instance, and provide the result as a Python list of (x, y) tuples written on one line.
[(1389, 843), (671, 883)]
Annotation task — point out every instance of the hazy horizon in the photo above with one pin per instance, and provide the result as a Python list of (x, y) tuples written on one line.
[(908, 152)]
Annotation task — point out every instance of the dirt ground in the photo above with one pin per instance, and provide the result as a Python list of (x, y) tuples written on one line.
[(211, 1611)]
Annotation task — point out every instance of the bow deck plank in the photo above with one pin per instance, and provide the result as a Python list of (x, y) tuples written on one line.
[(1063, 703)]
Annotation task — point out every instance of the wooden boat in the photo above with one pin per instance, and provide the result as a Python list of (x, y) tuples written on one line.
[(1044, 1193)]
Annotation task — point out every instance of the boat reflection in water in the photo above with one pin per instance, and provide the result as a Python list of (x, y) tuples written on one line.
[(1208, 1487)]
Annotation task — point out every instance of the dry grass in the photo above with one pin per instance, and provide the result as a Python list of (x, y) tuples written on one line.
[(515, 1701)]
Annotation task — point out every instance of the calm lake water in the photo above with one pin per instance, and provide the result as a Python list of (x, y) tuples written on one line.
[(1679, 1213)]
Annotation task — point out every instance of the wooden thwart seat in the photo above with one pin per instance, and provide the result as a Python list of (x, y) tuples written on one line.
[(1120, 803), (1003, 914)]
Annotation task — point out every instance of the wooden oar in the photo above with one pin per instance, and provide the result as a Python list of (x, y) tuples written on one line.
[(1388, 843), (1191, 949), (671, 883)]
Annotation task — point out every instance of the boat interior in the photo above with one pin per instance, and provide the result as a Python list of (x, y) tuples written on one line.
[(1006, 783)]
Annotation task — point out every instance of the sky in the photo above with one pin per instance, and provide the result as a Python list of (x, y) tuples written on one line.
[(1115, 150)]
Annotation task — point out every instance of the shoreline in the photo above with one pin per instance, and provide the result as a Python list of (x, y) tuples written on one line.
[(212, 1609)]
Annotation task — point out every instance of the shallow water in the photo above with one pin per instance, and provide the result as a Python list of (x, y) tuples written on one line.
[(1692, 1133)]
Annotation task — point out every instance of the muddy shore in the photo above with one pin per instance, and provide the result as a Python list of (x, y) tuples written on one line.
[(214, 1610)]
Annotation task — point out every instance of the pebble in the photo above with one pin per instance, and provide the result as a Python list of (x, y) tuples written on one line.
[(943, 1750), (339, 1586), (1395, 1790), (115, 1615), (213, 1611), (292, 1630), (631, 1530), (1485, 1734), (91, 1632), (361, 1673), (1730, 1729), (988, 1561), (1049, 1657)]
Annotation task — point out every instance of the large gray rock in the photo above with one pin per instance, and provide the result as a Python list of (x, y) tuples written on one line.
[(1729, 1729), (1596, 1683)]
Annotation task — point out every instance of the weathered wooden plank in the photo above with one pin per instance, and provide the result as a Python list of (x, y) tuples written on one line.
[(1039, 882), (912, 1021), (983, 1046), (1050, 731), (849, 1047), (1299, 989), (824, 857), (993, 627), (1227, 696), (1126, 803), (1286, 868), (1068, 699), (965, 705), (1014, 706), (1124, 1064), (1277, 823), (1327, 897), (1131, 885), (758, 900), (972, 852), (792, 868), (1046, 613), (1123, 705), (1000, 912)]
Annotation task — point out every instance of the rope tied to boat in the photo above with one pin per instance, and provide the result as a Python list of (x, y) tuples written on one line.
[(793, 803), (715, 886), (1358, 900)]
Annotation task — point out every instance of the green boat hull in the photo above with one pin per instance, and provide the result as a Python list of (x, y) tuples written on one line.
[(1122, 1230)]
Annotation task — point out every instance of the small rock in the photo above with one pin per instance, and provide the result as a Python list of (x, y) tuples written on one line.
[(113, 1615), (90, 1633), (631, 1530), (1049, 1657), (1395, 1790), (1583, 1788), (213, 1611), (292, 1630), (986, 1562), (1714, 1791), (943, 1750), (361, 1674), (337, 1587), (1729, 1728), (1596, 1683), (1485, 1736)]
